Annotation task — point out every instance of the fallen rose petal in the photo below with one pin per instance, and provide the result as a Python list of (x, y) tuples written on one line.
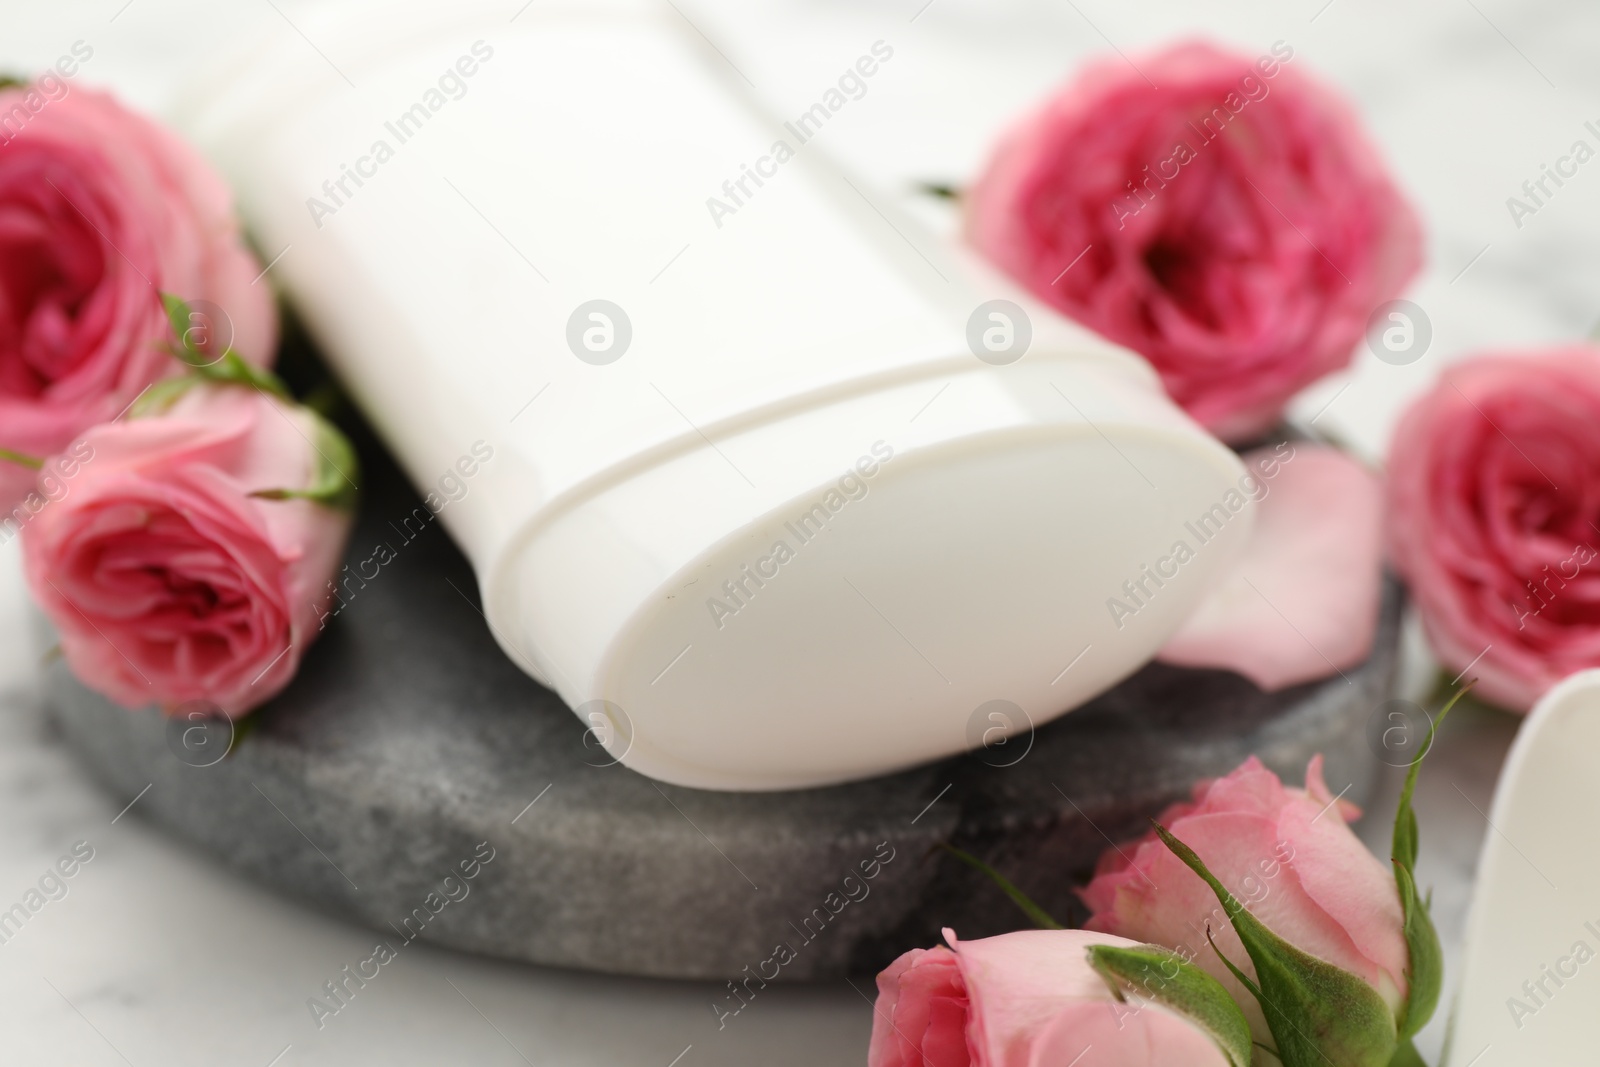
[(1303, 601)]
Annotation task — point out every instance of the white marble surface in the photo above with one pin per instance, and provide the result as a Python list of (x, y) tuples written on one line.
[(158, 957)]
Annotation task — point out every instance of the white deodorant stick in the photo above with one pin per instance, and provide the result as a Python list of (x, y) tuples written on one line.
[(772, 486)]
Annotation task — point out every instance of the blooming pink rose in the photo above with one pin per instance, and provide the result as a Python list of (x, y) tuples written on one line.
[(1027, 999), (1234, 224), (1287, 855), (167, 579), (101, 211), (1303, 600), (1494, 493)]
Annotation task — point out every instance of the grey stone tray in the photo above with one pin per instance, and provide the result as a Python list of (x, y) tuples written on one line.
[(409, 739)]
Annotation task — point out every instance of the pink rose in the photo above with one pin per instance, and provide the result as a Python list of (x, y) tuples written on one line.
[(1302, 603), (1287, 855), (168, 580), (1494, 492), (1027, 999), (101, 211), (1235, 226)]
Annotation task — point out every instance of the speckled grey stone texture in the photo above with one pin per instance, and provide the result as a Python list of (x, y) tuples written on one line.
[(409, 738)]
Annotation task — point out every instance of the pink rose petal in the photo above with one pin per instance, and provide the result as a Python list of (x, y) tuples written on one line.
[(1235, 225), (1303, 602), (1287, 854), (1494, 518), (167, 580), (101, 211), (1025, 999)]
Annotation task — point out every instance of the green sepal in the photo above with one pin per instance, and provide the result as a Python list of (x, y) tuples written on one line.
[(1163, 976), (177, 309), (161, 395), (337, 469), (21, 459), (230, 367), (1318, 1013), (1040, 917), (233, 369), (334, 482), (242, 728), (1406, 1055), (1425, 959)]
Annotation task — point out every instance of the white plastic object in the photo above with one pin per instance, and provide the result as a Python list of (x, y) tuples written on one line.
[(1530, 977), (798, 372)]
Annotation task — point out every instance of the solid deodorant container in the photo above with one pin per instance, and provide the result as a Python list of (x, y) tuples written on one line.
[(707, 414)]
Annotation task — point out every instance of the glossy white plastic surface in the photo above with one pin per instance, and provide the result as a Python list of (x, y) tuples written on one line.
[(808, 350), (1530, 982)]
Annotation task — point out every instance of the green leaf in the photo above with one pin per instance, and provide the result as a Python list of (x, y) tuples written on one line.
[(1040, 917), (1406, 1055), (1319, 1014), (20, 459), (1425, 963), (1163, 976), (334, 482), (161, 395)]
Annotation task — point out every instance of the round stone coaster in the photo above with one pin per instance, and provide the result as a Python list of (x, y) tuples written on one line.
[(413, 779)]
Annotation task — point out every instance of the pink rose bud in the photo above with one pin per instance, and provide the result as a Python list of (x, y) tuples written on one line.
[(101, 210), (168, 573), (1226, 218), (1039, 997), (1288, 857), (1493, 479)]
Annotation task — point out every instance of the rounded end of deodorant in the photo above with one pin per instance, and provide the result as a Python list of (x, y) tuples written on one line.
[(880, 581)]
